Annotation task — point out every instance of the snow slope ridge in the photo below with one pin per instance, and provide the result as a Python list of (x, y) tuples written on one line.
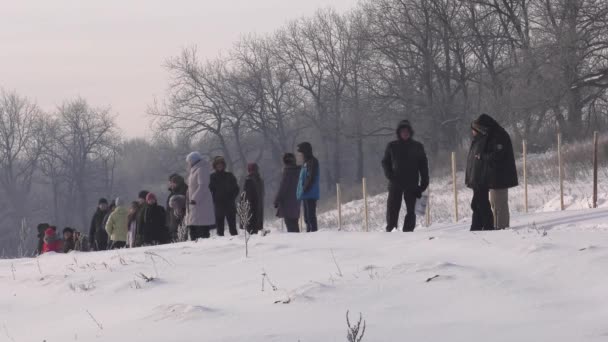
[(543, 280)]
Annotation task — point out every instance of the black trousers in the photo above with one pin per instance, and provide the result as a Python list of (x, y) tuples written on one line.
[(199, 232), (483, 218), (393, 207), (310, 215), (292, 225), (118, 244), (225, 213)]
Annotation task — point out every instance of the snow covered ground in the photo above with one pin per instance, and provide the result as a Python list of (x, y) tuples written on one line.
[(543, 280)]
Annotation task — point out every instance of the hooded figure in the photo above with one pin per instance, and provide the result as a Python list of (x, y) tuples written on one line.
[(118, 225), (154, 229), (480, 173), (201, 216), (98, 238), (177, 187), (309, 186), (286, 201), (51, 242), (69, 242), (139, 218), (254, 192), (225, 189), (406, 167)]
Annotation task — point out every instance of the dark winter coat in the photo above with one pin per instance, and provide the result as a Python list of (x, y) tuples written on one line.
[(310, 175), (496, 167), (254, 193), (139, 224), (478, 172), (224, 189), (69, 245), (500, 156), (97, 233), (154, 229), (405, 165), (173, 221), (286, 200)]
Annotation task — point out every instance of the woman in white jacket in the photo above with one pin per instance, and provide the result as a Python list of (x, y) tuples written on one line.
[(201, 214)]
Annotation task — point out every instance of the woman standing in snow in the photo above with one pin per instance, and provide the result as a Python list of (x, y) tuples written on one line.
[(117, 225), (254, 192), (155, 230), (201, 216), (286, 201), (51, 242)]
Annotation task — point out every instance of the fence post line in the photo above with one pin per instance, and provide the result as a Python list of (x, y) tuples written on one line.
[(365, 204), (561, 171), (595, 142), (339, 204), (455, 186), (525, 150)]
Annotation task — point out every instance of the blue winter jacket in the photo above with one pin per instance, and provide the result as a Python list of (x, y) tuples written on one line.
[(308, 185)]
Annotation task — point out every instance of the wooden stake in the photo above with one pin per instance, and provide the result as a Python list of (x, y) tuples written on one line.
[(561, 171), (455, 186), (428, 208), (595, 141), (365, 204), (525, 148), (339, 204)]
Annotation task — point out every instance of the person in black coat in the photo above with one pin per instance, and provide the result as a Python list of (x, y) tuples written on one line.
[(480, 174), (177, 187), (98, 237), (286, 201), (69, 243), (154, 228), (406, 167), (224, 189), (501, 166), (254, 193), (139, 217)]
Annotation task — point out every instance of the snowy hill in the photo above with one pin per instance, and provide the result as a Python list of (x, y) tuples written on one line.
[(544, 280)]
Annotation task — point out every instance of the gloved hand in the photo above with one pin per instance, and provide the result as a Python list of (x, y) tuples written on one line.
[(418, 192)]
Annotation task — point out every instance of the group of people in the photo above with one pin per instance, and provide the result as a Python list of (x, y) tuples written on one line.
[(490, 172), (206, 201)]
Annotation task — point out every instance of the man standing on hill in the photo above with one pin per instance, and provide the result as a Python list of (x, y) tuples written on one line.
[(501, 163), (308, 186), (406, 168), (224, 189)]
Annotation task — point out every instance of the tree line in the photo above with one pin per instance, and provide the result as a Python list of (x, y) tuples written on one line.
[(340, 80)]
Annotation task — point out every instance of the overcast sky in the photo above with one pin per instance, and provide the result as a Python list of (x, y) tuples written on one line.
[(111, 52)]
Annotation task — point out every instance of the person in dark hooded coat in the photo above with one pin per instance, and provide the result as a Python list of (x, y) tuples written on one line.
[(154, 228), (224, 189), (254, 193), (98, 238), (286, 201), (501, 168), (177, 187), (406, 167), (480, 174)]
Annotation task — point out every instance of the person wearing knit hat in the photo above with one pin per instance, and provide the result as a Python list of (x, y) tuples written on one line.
[(406, 168), (177, 188), (117, 225), (224, 189), (51, 242), (98, 238), (154, 229), (254, 193), (201, 215)]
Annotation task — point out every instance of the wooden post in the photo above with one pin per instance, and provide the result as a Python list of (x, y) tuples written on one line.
[(339, 204), (595, 141), (525, 150), (428, 208), (455, 186), (561, 171), (365, 204)]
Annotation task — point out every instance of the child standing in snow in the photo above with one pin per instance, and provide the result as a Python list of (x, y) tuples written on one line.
[(68, 240), (51, 242)]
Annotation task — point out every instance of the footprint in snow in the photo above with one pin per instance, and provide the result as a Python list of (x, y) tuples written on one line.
[(182, 312)]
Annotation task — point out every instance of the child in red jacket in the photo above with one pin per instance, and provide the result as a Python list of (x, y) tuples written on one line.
[(51, 242)]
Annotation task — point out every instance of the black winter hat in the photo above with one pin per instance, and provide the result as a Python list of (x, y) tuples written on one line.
[(218, 160), (484, 124), (405, 124), (103, 201), (176, 178), (289, 159), (68, 230), (143, 194)]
